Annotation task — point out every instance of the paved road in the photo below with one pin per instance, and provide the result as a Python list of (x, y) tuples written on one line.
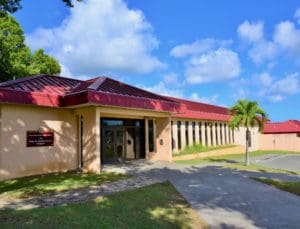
[(226, 198), (288, 162)]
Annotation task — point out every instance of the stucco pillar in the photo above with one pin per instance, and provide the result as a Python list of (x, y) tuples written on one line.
[(213, 140), (182, 131), (190, 133), (218, 133), (208, 131), (224, 134), (197, 140), (203, 134), (175, 136), (91, 139)]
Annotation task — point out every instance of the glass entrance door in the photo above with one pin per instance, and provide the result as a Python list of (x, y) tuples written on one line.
[(113, 144)]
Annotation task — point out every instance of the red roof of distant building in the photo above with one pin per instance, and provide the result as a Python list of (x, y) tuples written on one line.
[(290, 126), (55, 91)]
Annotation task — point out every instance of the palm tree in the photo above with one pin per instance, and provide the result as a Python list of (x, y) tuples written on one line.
[(248, 114)]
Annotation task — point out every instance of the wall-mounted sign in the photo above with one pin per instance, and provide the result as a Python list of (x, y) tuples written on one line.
[(38, 138)]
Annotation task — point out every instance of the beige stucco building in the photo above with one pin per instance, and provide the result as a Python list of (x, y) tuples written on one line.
[(51, 123)]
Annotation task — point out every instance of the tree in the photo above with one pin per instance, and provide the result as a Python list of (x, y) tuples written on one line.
[(11, 6), (16, 59), (248, 114)]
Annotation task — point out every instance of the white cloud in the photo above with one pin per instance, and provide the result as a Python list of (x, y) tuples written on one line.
[(264, 79), (251, 32), (204, 99), (262, 51), (218, 65), (288, 85), (198, 47), (276, 90), (162, 89), (288, 37), (100, 36), (171, 79), (297, 15)]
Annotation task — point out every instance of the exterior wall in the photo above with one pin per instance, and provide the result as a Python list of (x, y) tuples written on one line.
[(17, 160), (240, 137), (163, 141), (289, 142)]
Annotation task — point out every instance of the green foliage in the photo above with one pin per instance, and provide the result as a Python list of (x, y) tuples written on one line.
[(247, 113), (9, 6), (16, 59)]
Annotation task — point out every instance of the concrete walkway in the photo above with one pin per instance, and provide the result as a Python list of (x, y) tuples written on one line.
[(77, 195), (226, 198)]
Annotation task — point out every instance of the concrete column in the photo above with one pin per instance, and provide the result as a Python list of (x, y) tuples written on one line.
[(202, 134), (208, 131), (175, 136), (91, 139), (224, 134), (190, 133), (182, 130), (197, 133), (213, 140)]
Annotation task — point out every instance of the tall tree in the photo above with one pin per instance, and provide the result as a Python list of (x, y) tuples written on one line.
[(16, 60), (11, 6), (249, 114)]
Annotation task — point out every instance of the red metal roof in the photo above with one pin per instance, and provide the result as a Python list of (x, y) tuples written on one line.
[(196, 110), (42, 83), (202, 115), (198, 106), (55, 91), (290, 126)]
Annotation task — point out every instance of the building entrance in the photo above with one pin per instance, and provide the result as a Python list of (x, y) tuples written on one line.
[(122, 139)]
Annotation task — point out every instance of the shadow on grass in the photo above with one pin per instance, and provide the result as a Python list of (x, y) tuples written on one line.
[(46, 183)]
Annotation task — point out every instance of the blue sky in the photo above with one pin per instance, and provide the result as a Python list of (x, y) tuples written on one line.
[(210, 51)]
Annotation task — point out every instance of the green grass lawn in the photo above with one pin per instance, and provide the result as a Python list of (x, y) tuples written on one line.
[(289, 186), (200, 149), (232, 157), (41, 184), (233, 161), (155, 206), (258, 168)]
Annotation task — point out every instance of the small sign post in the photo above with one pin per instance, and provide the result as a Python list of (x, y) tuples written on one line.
[(39, 138)]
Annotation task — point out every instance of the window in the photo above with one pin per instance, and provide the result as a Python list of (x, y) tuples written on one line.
[(179, 134), (151, 135)]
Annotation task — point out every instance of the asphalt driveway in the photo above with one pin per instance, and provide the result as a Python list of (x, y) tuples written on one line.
[(226, 198), (287, 162)]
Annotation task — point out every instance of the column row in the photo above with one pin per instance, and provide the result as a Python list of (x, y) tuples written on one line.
[(189, 133)]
